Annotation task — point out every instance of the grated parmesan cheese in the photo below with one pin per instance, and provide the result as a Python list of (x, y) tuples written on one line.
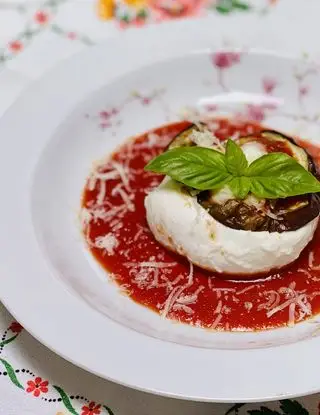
[(122, 173), (307, 274), (216, 321), (85, 217), (218, 308), (206, 138), (245, 290), (311, 259), (107, 242), (202, 138), (150, 264), (311, 262), (248, 305), (176, 292), (125, 197), (185, 308)]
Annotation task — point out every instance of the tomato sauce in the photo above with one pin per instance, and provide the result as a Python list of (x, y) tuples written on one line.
[(275, 146), (115, 227)]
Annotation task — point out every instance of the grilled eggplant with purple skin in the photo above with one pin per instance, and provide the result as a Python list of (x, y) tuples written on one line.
[(251, 214), (183, 139)]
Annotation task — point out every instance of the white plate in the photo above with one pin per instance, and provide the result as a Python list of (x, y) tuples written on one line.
[(51, 284)]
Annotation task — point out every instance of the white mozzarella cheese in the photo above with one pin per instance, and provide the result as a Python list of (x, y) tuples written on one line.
[(181, 224), (252, 151)]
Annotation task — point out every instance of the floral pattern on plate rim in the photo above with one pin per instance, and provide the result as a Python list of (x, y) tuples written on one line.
[(222, 61)]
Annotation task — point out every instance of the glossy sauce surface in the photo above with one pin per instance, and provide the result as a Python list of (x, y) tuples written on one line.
[(114, 224)]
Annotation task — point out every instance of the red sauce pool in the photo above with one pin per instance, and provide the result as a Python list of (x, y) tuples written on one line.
[(117, 233)]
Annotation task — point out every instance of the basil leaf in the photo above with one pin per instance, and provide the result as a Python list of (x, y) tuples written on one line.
[(271, 164), (236, 161), (197, 167), (278, 175), (240, 186), (272, 176)]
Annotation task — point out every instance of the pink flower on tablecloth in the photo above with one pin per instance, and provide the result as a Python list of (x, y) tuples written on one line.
[(224, 60), (91, 409), (168, 9), (15, 46), (123, 24), (139, 21), (268, 84), (37, 386), (41, 17), (15, 327)]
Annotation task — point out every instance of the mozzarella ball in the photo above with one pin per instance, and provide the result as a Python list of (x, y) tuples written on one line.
[(182, 225)]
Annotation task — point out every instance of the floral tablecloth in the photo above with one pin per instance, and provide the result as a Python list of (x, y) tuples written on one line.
[(33, 36)]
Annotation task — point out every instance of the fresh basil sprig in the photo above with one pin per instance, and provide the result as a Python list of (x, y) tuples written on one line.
[(235, 159), (197, 167), (272, 176)]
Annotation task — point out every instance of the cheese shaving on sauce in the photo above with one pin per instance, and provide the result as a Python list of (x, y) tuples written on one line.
[(311, 262), (107, 243), (176, 292), (206, 139)]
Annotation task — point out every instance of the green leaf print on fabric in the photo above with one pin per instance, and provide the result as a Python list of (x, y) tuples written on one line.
[(290, 407), (66, 400), (11, 374), (263, 411), (235, 408), (228, 6), (240, 5), (7, 341), (287, 406), (108, 410)]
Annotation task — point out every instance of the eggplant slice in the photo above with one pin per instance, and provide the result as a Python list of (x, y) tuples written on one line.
[(284, 215), (275, 141), (278, 215), (183, 139)]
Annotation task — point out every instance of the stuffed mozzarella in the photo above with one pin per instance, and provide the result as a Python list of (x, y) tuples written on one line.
[(221, 233)]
